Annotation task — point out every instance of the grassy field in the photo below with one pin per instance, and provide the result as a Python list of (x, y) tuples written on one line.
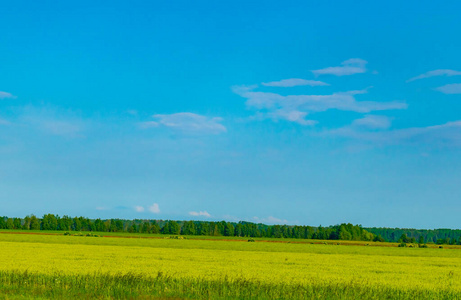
[(57, 266)]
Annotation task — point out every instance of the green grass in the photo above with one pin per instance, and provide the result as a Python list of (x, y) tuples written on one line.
[(16, 284)]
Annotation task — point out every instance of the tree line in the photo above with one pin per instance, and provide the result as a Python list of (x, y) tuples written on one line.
[(171, 227), (232, 229), (421, 236)]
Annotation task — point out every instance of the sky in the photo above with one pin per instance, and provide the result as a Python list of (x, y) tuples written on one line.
[(293, 112)]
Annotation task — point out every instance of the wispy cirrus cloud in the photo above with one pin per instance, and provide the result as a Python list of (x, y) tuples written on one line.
[(448, 134), (187, 122), (373, 122), (439, 72), (294, 82), (5, 95), (200, 214), (296, 108), (348, 67), (287, 115), (454, 88), (292, 116), (59, 127), (53, 121)]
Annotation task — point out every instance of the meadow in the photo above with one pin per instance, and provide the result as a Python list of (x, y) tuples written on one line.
[(58, 266)]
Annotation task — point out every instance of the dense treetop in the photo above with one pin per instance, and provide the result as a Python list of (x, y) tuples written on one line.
[(238, 229)]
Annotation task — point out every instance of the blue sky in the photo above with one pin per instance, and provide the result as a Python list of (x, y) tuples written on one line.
[(301, 112)]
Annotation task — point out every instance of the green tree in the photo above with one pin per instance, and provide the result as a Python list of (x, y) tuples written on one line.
[(133, 228), (9, 223), (76, 224), (421, 240), (204, 228), (3, 222), (188, 228), (215, 230), (17, 223), (49, 222), (229, 230), (65, 223), (238, 231), (26, 224), (403, 238), (99, 225), (146, 227), (118, 225), (166, 228), (155, 227), (34, 223), (174, 228)]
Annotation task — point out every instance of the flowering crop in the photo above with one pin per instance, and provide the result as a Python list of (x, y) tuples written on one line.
[(198, 264)]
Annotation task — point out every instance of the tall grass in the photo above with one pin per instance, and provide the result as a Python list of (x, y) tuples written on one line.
[(160, 285)]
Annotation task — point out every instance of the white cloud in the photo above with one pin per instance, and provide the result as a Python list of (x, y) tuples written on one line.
[(291, 116), (317, 103), (154, 208), (448, 134), (101, 208), (187, 122), (348, 67), (440, 72), (295, 108), (294, 82), (373, 122), (454, 88), (5, 95), (139, 208), (200, 214)]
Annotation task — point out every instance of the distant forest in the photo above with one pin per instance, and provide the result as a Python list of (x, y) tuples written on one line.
[(237, 229)]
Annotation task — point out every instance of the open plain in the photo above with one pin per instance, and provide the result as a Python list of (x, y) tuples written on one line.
[(128, 266)]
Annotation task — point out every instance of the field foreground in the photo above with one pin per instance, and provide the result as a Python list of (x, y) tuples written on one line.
[(57, 266)]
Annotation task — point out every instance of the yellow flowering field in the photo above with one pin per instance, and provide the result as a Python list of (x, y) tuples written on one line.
[(401, 270)]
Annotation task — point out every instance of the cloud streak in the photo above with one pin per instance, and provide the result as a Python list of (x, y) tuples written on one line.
[(5, 95), (349, 67), (295, 108), (373, 122), (53, 121), (294, 82), (454, 88), (200, 214), (440, 72), (448, 134), (187, 122)]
